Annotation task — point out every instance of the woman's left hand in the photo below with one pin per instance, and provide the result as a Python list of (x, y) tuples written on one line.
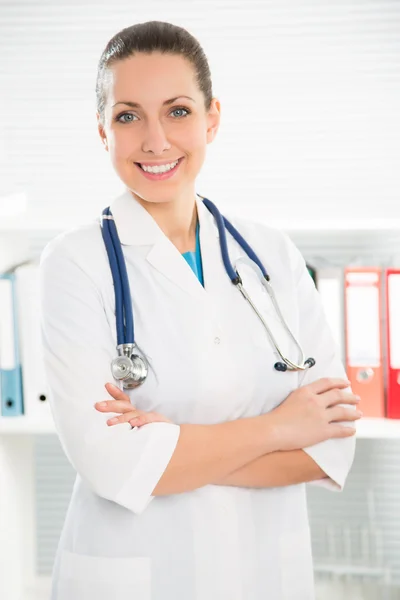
[(129, 414)]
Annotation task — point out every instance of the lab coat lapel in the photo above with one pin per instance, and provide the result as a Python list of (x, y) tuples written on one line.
[(136, 226), (165, 257)]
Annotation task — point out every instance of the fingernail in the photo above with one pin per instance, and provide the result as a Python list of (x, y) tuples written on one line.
[(101, 404), (112, 421)]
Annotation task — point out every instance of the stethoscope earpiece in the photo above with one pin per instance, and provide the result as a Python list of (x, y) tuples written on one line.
[(280, 366)]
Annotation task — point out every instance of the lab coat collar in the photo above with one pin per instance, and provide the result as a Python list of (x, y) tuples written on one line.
[(136, 226)]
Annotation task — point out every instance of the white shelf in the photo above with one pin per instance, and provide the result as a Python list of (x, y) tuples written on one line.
[(366, 427), (26, 425), (378, 428)]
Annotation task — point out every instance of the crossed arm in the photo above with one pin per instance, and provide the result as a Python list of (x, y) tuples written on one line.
[(274, 470)]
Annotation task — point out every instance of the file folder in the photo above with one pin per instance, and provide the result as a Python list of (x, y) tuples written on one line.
[(34, 384), (392, 289), (363, 334), (10, 367), (330, 285), (313, 273)]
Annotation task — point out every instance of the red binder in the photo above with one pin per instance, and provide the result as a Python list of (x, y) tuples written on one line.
[(363, 335), (392, 288)]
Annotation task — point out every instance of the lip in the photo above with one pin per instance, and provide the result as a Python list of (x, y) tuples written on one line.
[(160, 176)]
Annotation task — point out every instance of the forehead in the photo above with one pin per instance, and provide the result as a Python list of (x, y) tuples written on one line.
[(151, 78)]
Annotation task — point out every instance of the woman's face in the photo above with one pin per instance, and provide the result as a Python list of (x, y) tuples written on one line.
[(154, 132)]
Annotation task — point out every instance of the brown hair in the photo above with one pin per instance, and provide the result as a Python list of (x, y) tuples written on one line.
[(148, 37)]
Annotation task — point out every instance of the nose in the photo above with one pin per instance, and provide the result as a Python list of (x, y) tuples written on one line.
[(155, 140)]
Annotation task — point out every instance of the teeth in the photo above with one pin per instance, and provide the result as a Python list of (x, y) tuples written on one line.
[(159, 169)]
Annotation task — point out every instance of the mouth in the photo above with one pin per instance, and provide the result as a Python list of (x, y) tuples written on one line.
[(159, 176)]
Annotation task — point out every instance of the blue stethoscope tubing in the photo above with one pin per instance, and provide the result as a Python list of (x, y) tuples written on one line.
[(123, 303)]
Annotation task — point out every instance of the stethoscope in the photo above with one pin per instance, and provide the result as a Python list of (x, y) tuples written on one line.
[(130, 367)]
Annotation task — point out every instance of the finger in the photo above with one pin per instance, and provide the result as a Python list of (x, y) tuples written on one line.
[(139, 421), (335, 397), (327, 383), (340, 413), (342, 431), (116, 393), (117, 406), (148, 417), (125, 418)]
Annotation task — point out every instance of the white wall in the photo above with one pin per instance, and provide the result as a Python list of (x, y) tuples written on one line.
[(310, 92)]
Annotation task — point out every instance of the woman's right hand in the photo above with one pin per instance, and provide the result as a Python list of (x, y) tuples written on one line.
[(311, 414)]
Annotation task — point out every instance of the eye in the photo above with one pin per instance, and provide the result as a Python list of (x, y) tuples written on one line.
[(182, 108), (125, 114)]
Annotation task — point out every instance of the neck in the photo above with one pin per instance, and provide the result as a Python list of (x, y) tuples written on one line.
[(177, 219)]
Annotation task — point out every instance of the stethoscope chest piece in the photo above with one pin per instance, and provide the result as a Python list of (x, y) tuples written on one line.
[(129, 368)]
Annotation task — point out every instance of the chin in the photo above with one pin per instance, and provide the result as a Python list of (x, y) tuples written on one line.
[(151, 199)]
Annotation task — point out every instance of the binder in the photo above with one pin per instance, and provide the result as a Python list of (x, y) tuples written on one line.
[(392, 293), (10, 366), (313, 273), (363, 335), (330, 285), (34, 384)]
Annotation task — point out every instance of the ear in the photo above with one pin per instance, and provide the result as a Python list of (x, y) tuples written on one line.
[(101, 131), (213, 119)]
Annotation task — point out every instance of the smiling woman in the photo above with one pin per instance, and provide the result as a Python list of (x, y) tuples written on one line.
[(204, 496)]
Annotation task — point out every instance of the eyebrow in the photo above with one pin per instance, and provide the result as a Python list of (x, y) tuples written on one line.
[(166, 103)]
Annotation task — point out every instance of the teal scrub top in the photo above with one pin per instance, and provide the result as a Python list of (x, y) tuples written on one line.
[(194, 258)]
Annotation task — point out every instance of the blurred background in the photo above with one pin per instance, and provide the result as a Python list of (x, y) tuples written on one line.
[(309, 142)]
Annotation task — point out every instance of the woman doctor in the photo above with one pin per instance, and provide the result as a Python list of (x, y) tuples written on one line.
[(198, 491)]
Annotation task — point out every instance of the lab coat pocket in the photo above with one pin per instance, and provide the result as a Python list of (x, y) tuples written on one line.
[(297, 577), (83, 577)]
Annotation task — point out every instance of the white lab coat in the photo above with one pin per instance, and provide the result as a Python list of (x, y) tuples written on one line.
[(211, 361)]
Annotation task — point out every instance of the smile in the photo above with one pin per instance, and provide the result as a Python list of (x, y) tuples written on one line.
[(169, 170)]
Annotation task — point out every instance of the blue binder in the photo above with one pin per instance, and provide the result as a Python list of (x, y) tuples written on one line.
[(11, 397)]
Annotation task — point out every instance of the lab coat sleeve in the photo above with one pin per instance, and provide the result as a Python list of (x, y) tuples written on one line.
[(119, 463), (334, 456)]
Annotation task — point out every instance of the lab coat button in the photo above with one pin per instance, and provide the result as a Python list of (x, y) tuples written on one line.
[(217, 340)]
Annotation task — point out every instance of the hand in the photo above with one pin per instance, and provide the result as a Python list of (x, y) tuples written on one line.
[(310, 414), (129, 414)]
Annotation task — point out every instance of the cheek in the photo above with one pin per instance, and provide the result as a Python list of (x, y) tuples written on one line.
[(195, 144), (194, 138), (124, 144)]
